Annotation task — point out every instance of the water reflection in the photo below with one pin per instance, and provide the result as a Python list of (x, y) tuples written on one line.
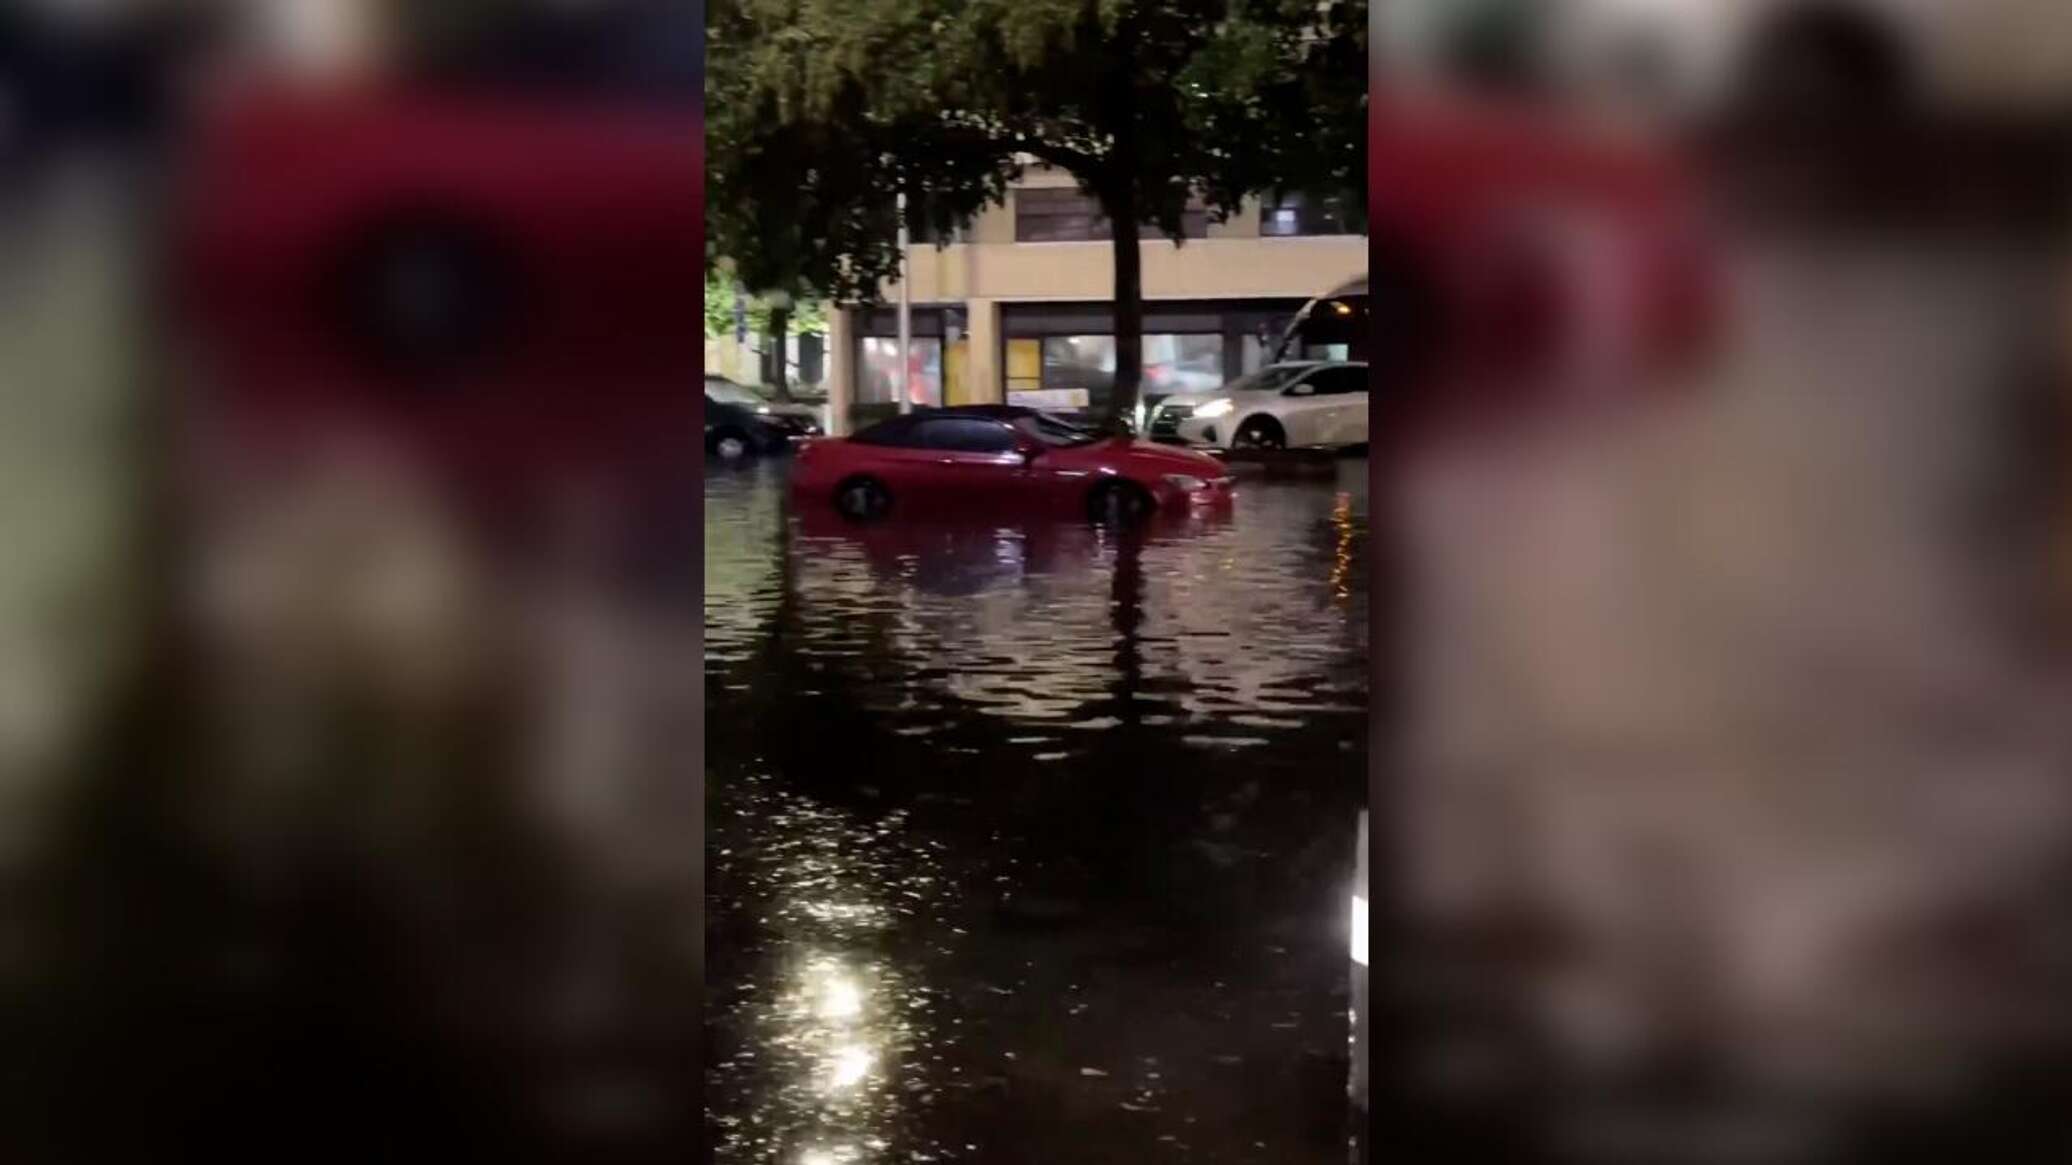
[(1243, 623), (998, 876), (819, 1044)]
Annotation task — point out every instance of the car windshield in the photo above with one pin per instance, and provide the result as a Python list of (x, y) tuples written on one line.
[(1267, 379), (1055, 432), (731, 393)]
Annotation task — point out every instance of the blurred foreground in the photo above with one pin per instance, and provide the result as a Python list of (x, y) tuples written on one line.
[(1729, 763), (351, 724)]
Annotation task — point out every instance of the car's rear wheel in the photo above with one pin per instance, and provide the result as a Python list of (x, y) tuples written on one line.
[(729, 445), (1260, 433), (862, 499), (1119, 503)]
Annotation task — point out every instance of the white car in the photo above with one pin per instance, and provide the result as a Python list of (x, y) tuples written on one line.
[(1282, 406)]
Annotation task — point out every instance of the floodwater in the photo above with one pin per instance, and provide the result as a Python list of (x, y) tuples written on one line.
[(1032, 843)]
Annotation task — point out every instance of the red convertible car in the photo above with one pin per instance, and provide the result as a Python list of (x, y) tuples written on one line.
[(488, 262), (1001, 458), (1520, 255)]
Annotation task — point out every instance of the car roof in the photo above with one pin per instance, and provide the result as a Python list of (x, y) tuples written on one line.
[(1309, 366), (994, 412), (1004, 414)]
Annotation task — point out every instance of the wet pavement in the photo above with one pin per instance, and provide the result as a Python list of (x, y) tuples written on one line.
[(1032, 843)]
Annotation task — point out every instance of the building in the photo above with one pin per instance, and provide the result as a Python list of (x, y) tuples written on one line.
[(1018, 305)]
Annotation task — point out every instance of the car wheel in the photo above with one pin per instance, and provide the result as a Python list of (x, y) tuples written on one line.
[(1119, 503), (729, 445), (426, 293), (1260, 433), (862, 499)]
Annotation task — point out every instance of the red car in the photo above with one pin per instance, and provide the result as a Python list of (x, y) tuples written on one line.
[(495, 277), (1514, 246), (992, 458)]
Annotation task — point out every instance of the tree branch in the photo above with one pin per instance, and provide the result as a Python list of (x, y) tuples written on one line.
[(1079, 162)]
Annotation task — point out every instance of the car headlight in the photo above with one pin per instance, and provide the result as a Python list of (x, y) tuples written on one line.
[(1214, 408), (1185, 483), (763, 409)]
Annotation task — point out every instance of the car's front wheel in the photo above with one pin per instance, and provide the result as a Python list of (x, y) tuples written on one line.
[(729, 445), (1260, 433), (862, 499), (1119, 503)]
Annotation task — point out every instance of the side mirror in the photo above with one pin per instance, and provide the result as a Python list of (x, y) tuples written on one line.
[(1304, 389), (1029, 452)]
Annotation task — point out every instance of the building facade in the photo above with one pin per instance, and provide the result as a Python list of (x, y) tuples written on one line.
[(1018, 306)]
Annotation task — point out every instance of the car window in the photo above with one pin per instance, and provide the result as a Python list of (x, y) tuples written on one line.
[(1342, 381), (1267, 379), (895, 431), (965, 435), (1054, 432)]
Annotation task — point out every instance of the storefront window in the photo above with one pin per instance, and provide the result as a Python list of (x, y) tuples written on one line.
[(1172, 363), (1086, 362), (878, 371), (1182, 364)]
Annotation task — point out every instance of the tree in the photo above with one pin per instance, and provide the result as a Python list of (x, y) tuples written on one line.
[(802, 208), (1151, 105), (806, 317)]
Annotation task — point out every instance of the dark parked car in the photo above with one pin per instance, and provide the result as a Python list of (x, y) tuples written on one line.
[(796, 419), (733, 432)]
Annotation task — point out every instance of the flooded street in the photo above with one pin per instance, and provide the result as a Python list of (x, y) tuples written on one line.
[(1032, 843)]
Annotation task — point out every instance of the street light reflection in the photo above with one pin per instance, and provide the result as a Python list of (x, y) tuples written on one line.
[(841, 1000), (850, 1064)]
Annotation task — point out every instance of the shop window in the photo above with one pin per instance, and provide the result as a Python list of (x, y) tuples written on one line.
[(1182, 364), (878, 371), (1172, 363)]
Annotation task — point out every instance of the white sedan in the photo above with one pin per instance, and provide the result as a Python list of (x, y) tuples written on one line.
[(1281, 406)]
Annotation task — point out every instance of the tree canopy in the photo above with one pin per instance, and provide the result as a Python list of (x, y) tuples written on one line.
[(831, 106)]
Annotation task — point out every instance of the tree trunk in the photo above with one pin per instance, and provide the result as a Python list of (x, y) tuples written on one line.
[(1120, 204), (780, 329)]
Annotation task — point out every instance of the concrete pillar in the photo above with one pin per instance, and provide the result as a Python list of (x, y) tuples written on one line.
[(841, 369), (988, 382)]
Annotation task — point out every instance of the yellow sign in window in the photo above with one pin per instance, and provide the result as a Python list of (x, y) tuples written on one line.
[(956, 374), (1024, 364)]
